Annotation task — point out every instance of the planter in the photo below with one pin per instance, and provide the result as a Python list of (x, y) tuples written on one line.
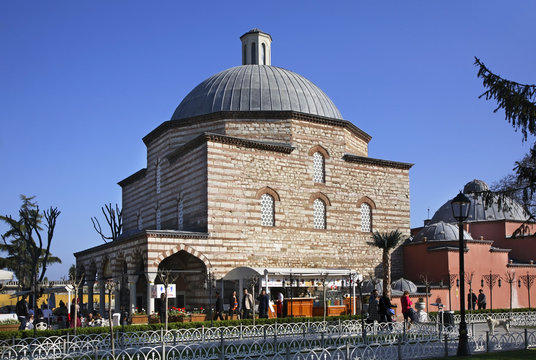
[(198, 317), (420, 305), (139, 319), (9, 327)]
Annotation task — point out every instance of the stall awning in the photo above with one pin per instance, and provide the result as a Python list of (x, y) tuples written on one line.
[(302, 273), (6, 275)]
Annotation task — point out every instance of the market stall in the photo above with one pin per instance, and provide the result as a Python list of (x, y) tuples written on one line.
[(306, 292)]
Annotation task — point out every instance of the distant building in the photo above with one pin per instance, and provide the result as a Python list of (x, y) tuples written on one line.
[(499, 243), (258, 168)]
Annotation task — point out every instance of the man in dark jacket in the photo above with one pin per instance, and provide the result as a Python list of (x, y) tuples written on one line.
[(218, 309), (22, 312), (481, 299), (384, 309), (264, 302), (163, 308), (471, 300)]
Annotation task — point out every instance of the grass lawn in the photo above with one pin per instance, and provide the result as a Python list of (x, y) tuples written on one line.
[(504, 355)]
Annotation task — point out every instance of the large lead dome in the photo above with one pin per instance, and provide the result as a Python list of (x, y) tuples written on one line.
[(256, 88)]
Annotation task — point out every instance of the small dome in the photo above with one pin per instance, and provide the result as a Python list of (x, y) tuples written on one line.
[(482, 211), (256, 88), (475, 186), (440, 231)]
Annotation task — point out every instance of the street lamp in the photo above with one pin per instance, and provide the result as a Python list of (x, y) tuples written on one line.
[(460, 210)]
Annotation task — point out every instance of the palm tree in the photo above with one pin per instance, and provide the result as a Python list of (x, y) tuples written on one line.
[(386, 241)]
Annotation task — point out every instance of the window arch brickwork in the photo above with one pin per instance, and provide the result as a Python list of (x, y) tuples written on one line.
[(366, 207), (267, 197)]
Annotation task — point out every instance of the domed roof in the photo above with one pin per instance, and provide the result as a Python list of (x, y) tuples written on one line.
[(256, 88), (480, 210), (440, 231), (475, 186)]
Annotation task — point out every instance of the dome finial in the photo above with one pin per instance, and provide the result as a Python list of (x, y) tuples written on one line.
[(256, 48)]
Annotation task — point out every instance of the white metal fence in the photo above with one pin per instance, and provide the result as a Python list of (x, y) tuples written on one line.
[(314, 340)]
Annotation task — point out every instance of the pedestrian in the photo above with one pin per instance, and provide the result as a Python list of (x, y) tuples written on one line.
[(247, 304), (279, 304), (373, 314), (481, 301), (218, 308), (163, 308), (233, 305), (22, 312), (471, 300), (406, 303), (264, 303), (385, 309)]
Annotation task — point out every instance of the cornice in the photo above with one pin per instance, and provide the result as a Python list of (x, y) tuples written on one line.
[(231, 140), (133, 178), (376, 162), (240, 115), (144, 234)]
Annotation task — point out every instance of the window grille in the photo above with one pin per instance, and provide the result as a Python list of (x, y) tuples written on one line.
[(158, 219), (267, 210), (318, 166), (319, 214), (366, 218)]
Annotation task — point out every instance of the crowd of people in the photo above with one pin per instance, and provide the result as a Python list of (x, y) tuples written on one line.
[(44, 317)]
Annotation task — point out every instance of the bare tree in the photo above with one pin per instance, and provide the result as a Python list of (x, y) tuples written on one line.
[(167, 277), (75, 281), (114, 218)]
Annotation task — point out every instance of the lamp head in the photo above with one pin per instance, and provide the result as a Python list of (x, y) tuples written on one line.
[(460, 207)]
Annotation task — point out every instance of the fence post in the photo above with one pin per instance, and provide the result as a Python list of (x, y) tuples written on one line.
[(487, 341), (322, 341), (241, 329), (340, 327), (66, 344), (446, 345), (526, 339), (163, 343), (264, 331), (399, 347), (288, 351), (347, 350), (222, 349)]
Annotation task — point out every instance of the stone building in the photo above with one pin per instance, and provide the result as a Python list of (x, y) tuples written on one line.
[(256, 167)]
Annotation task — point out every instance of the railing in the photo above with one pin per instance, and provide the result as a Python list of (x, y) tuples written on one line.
[(335, 340)]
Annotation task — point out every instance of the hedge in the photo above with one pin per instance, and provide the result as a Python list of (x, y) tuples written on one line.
[(8, 335)]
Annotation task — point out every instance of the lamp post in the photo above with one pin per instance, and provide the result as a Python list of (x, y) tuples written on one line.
[(460, 210)]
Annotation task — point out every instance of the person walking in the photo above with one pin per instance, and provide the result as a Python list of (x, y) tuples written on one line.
[(373, 314), (471, 300), (264, 303), (406, 303), (247, 304), (218, 309), (22, 312), (384, 309), (233, 305), (163, 308), (481, 301)]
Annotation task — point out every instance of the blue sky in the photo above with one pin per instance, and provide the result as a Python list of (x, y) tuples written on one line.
[(81, 82)]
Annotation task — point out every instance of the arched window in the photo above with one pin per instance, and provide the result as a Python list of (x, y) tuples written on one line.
[(366, 217), (263, 54), (267, 210), (253, 54), (180, 215), (319, 175), (319, 214), (158, 177)]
